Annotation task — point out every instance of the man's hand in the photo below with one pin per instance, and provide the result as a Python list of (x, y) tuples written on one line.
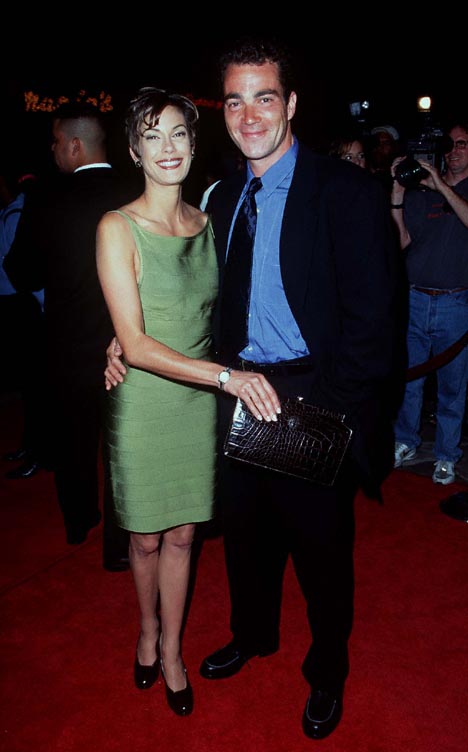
[(398, 191), (434, 180), (115, 371)]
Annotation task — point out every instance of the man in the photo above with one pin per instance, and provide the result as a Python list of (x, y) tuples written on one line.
[(384, 146), (320, 325), (433, 226), (54, 248)]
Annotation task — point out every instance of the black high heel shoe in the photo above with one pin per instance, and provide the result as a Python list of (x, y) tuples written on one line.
[(145, 676), (181, 702)]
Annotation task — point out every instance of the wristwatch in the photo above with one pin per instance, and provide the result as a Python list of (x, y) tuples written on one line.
[(223, 377)]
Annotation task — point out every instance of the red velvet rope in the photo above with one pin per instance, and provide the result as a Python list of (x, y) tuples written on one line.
[(437, 361)]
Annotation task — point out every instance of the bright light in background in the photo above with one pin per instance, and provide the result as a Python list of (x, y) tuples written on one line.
[(424, 104), (359, 109)]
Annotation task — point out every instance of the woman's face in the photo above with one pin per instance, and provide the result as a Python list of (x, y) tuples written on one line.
[(165, 149), (355, 153)]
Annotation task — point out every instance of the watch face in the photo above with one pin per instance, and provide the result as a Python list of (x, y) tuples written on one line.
[(224, 376)]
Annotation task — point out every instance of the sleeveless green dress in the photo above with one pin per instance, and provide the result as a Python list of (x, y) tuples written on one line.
[(160, 432)]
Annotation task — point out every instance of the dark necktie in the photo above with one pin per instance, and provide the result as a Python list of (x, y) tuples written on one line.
[(235, 294)]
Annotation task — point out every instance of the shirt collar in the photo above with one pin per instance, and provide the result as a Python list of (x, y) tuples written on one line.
[(94, 164), (280, 170)]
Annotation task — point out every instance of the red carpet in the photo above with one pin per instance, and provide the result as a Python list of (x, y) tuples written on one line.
[(69, 629)]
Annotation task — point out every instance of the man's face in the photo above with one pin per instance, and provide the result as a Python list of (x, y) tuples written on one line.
[(385, 143), (257, 117), (457, 158), (62, 149)]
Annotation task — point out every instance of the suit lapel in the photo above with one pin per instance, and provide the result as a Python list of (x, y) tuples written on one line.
[(222, 204), (299, 228)]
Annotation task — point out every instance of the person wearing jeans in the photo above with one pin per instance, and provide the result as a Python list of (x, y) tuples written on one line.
[(432, 220), (435, 322)]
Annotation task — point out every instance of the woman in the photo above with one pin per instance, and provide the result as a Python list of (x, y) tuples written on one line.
[(157, 267), (350, 148)]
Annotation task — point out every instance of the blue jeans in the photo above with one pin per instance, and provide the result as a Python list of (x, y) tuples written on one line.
[(435, 323)]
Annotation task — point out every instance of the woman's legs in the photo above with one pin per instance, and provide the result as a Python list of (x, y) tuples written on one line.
[(173, 575), (144, 563), (162, 568)]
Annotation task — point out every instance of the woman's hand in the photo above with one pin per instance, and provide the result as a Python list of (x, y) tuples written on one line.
[(257, 393), (115, 371), (252, 388)]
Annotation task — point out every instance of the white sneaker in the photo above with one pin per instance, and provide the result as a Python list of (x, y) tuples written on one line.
[(403, 453), (444, 472)]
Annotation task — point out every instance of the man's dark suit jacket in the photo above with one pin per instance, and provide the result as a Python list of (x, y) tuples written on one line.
[(55, 248), (339, 264)]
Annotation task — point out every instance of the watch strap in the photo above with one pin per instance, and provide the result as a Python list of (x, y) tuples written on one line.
[(221, 381)]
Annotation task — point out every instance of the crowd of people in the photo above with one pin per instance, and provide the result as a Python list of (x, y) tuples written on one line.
[(306, 275)]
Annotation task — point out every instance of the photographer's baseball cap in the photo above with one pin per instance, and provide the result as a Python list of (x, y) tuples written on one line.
[(386, 129)]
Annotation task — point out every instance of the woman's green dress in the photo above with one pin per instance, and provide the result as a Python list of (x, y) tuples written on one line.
[(160, 432)]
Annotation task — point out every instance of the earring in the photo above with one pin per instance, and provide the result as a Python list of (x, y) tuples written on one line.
[(193, 155), (137, 163)]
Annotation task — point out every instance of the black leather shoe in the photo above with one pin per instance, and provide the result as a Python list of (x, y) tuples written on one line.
[(117, 564), (26, 470), (224, 662), (322, 713), (181, 702), (17, 456), (456, 506), (145, 676)]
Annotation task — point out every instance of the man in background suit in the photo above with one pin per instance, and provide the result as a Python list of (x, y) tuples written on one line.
[(54, 248)]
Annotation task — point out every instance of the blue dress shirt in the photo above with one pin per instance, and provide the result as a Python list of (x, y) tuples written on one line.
[(273, 333)]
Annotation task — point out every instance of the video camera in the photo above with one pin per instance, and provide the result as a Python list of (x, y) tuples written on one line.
[(430, 146)]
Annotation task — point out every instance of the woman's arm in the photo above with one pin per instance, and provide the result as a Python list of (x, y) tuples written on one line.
[(116, 264)]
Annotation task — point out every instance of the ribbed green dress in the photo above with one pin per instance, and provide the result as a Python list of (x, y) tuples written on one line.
[(161, 433)]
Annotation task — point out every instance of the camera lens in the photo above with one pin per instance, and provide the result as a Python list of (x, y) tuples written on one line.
[(409, 173)]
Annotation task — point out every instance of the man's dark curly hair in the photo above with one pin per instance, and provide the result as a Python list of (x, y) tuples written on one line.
[(257, 51)]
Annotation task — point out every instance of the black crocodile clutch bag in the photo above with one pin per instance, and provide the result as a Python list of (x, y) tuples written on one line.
[(306, 440)]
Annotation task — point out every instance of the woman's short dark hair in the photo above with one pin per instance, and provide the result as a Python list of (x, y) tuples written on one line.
[(253, 51), (145, 110)]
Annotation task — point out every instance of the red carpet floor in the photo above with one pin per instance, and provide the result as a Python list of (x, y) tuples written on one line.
[(68, 633)]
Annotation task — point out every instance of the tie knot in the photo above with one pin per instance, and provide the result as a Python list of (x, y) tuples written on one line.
[(254, 186)]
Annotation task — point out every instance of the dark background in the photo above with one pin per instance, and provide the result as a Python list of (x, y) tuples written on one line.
[(334, 65)]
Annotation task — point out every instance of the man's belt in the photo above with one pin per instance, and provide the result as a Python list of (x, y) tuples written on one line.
[(282, 368)]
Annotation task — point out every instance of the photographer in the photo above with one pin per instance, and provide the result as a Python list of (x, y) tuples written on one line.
[(430, 209), (384, 146)]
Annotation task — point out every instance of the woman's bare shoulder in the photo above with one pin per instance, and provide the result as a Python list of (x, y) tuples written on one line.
[(197, 217)]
